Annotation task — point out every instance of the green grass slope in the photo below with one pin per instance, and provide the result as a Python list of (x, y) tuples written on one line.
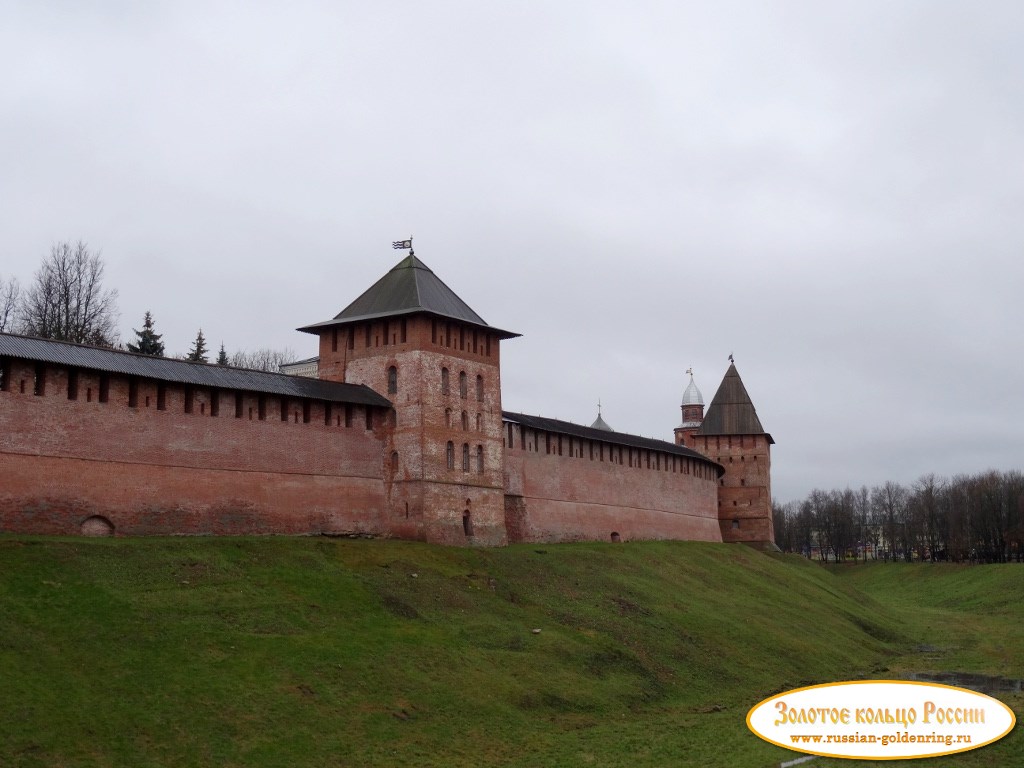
[(318, 652), (959, 618)]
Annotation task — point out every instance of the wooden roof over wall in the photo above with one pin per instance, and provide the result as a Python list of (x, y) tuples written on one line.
[(557, 426), (184, 371)]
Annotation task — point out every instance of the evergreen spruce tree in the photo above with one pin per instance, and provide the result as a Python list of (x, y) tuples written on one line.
[(198, 352), (222, 358), (148, 341)]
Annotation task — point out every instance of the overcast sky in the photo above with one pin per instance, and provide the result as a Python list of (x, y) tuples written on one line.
[(831, 191)]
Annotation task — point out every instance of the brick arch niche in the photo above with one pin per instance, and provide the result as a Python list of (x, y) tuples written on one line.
[(97, 526)]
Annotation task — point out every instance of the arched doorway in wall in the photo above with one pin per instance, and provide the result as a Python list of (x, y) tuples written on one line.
[(467, 520), (97, 526), (615, 537)]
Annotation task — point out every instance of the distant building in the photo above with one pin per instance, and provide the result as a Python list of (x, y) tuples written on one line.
[(308, 367), (395, 429)]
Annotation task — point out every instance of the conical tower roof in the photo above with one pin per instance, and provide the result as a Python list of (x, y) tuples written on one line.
[(731, 411), (410, 287), (600, 423)]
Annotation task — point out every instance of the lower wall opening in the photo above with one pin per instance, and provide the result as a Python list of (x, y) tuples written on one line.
[(97, 526)]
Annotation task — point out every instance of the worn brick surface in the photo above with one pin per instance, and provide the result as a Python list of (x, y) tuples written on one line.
[(573, 497), (744, 493), (166, 471)]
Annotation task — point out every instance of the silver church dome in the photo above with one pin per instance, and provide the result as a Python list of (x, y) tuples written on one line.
[(692, 395)]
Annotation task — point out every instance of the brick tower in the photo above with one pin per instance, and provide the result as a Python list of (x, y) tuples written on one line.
[(731, 434), (693, 412), (413, 340)]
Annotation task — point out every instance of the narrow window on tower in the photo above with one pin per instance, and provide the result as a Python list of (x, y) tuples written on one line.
[(348, 415), (403, 331), (189, 399), (327, 414), (239, 400), (451, 455), (445, 386), (305, 411), (351, 337), (39, 380), (215, 402), (463, 386), (261, 407), (369, 417), (480, 459), (465, 457), (480, 388), (392, 380), (72, 383), (465, 422), (284, 409), (387, 332), (161, 396), (133, 393), (334, 340)]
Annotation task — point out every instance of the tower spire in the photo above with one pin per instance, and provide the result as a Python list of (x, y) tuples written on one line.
[(693, 411)]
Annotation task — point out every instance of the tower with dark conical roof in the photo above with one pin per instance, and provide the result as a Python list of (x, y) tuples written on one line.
[(411, 338), (731, 434)]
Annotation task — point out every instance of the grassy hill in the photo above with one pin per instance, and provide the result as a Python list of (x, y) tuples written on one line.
[(320, 652)]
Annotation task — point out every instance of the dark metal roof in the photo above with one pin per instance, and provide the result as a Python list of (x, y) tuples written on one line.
[(731, 411), (604, 436), (184, 371), (410, 287)]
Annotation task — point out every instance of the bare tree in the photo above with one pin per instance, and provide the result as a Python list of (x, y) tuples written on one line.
[(9, 294), (263, 359), (67, 301)]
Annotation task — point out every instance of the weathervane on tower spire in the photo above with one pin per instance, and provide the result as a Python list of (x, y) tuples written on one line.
[(402, 244)]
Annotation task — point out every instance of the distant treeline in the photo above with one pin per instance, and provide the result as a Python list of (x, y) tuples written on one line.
[(968, 518)]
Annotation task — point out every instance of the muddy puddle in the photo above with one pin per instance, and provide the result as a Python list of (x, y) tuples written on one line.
[(981, 683)]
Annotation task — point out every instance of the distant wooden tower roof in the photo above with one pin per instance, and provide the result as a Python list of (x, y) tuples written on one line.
[(410, 287), (731, 411)]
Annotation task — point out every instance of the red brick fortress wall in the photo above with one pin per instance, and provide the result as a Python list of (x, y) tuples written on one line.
[(589, 491), (152, 468)]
